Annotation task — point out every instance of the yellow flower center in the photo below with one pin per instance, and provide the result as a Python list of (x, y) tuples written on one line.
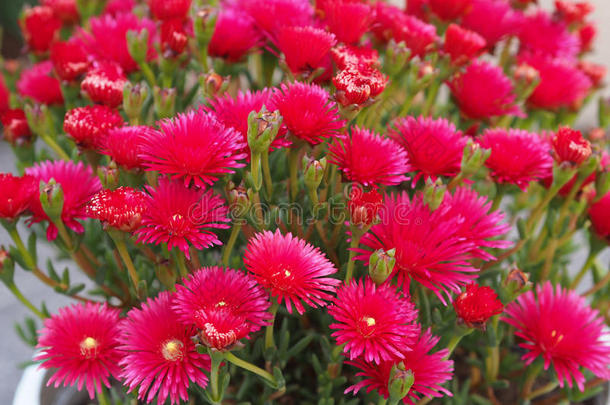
[(172, 350), (88, 347)]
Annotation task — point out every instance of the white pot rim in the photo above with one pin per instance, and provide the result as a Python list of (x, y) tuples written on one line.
[(30, 385)]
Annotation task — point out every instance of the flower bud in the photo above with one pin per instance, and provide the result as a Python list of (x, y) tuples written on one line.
[(15, 127), (473, 158), (516, 280), (239, 200), (381, 265), (263, 127), (434, 194), (400, 382), (166, 274), (204, 22), (597, 134), (364, 206), (39, 119), (109, 176), (137, 44), (476, 305), (570, 146), (397, 56), (4, 257), (313, 172), (526, 80), (213, 84), (134, 97), (165, 101), (7, 267), (52, 200)]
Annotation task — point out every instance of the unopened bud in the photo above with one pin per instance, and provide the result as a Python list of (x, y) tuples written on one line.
[(381, 265), (397, 56), (204, 21), (239, 200), (7, 267), (473, 158), (597, 134), (4, 257), (165, 101), (213, 84), (109, 176), (52, 199), (313, 172), (263, 127), (434, 194), (526, 78), (39, 119), (400, 382), (134, 97), (516, 280), (137, 45), (166, 274)]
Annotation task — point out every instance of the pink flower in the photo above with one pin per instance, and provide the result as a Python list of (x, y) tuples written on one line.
[(430, 370), (375, 322), (598, 213), (226, 305), (121, 209), (367, 158), (558, 325), (66, 10), (358, 84), (78, 185), (434, 147), (348, 20), (38, 84), (572, 11), (477, 304), (169, 9), (17, 195), (104, 84), (70, 60), (307, 111), (449, 10), (40, 27), (177, 215), (292, 269), (570, 146), (419, 36), (346, 56), (193, 147), (174, 36), (88, 125), (364, 206), (484, 91), (305, 48), (542, 35), (159, 354), (124, 144), (16, 130), (271, 15), (235, 34), (492, 19), (81, 342), (517, 156), (462, 45)]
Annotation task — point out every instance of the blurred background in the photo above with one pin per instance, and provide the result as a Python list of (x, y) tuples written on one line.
[(13, 351)]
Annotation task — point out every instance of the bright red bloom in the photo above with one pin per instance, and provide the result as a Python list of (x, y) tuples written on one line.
[(16, 130), (233, 112), (124, 144), (364, 206), (178, 215), (121, 208), (419, 36), (81, 342), (570, 146), (595, 72), (226, 305), (542, 35), (272, 15), (387, 20), (174, 37), (291, 269), (598, 213), (305, 48), (417, 8), (38, 84), (434, 147), (348, 20), (307, 111), (484, 91), (115, 7), (40, 27), (17, 194), (357, 84), (375, 322), (104, 84), (169, 9), (4, 96), (70, 60), (78, 185), (431, 247), (235, 34), (558, 325), (573, 12), (476, 305), (449, 10), (367, 158), (462, 45), (88, 125), (159, 355), (517, 156), (492, 19), (562, 84), (194, 147), (346, 56), (429, 369), (66, 10), (587, 34), (108, 38)]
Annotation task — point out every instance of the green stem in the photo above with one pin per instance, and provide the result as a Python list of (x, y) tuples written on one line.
[(255, 170), (226, 253), (216, 362), (55, 146), (431, 98), (203, 58), (124, 253), (545, 389), (65, 235), (27, 257), (293, 165), (492, 361), (148, 74), (269, 341), (406, 105), (267, 175), (250, 367), (17, 293), (101, 397), (382, 401), (501, 190), (351, 263), (530, 379), (455, 340)]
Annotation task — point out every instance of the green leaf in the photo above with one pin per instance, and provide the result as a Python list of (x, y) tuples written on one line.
[(300, 345), (32, 247)]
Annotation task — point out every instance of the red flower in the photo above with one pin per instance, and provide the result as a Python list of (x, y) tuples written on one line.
[(431, 247), (116, 7), (104, 84), (307, 111), (272, 15), (492, 19), (598, 213), (305, 48), (193, 147), (375, 322), (352, 56), (367, 158), (70, 60), (476, 305), (66, 10), (462, 45), (348, 20), (177, 215), (159, 354), (169, 9), (419, 36), (517, 156), (357, 84), (235, 34), (364, 206), (570, 146), (226, 305), (417, 8), (573, 12), (388, 20), (291, 269), (38, 84), (540, 34), (558, 325), (16, 129), (430, 370), (449, 10), (434, 147), (17, 194), (121, 208), (4, 96), (484, 91), (81, 343), (174, 37), (108, 38), (587, 34), (88, 125), (40, 27), (595, 72), (124, 144)]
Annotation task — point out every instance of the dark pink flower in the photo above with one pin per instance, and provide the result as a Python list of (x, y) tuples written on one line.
[(70, 60), (40, 27), (348, 20), (66, 10), (174, 36), (541, 34), (271, 15), (15, 128), (492, 19), (305, 48), (38, 84), (572, 11), (418, 35), (169, 9), (121, 208), (449, 10), (17, 195), (104, 84), (235, 34), (88, 125), (462, 45), (124, 144), (600, 220)]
